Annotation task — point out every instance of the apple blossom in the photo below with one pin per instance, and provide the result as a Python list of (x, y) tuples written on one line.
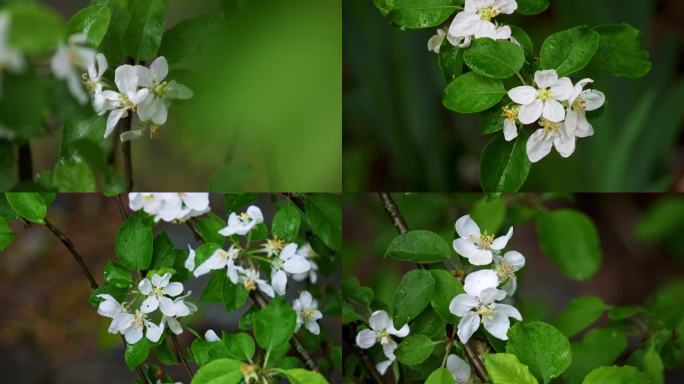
[(132, 326), (558, 135), (218, 260), (381, 331), (510, 115), (307, 311), (159, 291), (544, 100), (477, 247), (505, 267), (69, 62), (128, 98), (243, 223), (287, 261), (581, 101), (155, 107), (484, 309), (478, 281), (170, 207), (251, 279), (182, 308), (308, 252), (476, 21), (94, 83)]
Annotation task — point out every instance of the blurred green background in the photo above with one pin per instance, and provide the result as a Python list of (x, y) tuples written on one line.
[(398, 136), (266, 115)]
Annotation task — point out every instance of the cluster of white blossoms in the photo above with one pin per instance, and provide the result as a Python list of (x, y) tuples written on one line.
[(10, 59), (481, 302), (560, 109), (381, 331), (170, 207), (474, 22), (139, 89), (286, 260), (156, 293)]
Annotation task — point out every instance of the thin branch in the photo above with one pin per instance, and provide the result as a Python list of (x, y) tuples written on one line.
[(126, 124), (297, 200), (193, 227), (69, 245), (25, 162), (348, 332), (181, 356), (400, 224), (122, 208)]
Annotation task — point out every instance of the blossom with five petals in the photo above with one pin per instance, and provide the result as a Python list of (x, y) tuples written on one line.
[(287, 261), (244, 222), (155, 107), (128, 98), (69, 62), (251, 279), (506, 267), (381, 331), (545, 99), (307, 311), (558, 135), (218, 260), (484, 309), (159, 291), (476, 21), (581, 101), (478, 247)]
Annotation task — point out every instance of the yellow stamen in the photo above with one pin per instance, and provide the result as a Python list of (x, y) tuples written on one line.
[(249, 284), (510, 112), (488, 13), (544, 95), (579, 104), (549, 126)]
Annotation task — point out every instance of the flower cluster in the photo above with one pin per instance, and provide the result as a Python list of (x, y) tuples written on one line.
[(481, 302), (474, 22), (170, 207), (560, 109), (381, 331), (158, 292), (138, 88)]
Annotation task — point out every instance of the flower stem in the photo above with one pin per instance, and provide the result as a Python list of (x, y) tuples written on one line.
[(522, 79), (180, 355)]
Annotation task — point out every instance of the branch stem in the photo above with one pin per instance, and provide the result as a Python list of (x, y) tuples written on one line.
[(69, 245), (127, 122), (181, 356), (25, 162), (348, 332)]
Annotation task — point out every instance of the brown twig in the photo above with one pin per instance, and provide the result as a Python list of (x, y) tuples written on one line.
[(348, 331), (69, 245), (191, 224), (400, 224), (122, 208), (126, 124), (297, 200), (181, 356), (25, 162)]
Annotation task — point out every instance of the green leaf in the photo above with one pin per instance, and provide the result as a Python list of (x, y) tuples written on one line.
[(92, 21), (571, 239), (663, 218), (29, 205), (164, 353), (440, 376), (471, 93), (221, 371), (112, 44), (235, 201), (667, 304), (414, 349), (191, 38), (82, 141), (34, 29), (134, 244), (117, 274), (163, 252), (620, 52), (524, 39), (302, 376), (239, 345), (137, 353), (412, 296), (489, 213), (419, 246), (23, 113), (580, 313), (450, 60), (107, 288), (448, 287), (569, 51), (6, 234), (600, 346), (498, 59), (209, 227), (504, 368), (504, 165), (286, 223), (492, 119), (205, 351), (428, 323), (616, 375), (275, 324), (540, 346), (622, 312), (221, 290), (71, 176), (653, 366), (352, 289), (422, 13), (532, 7), (144, 34), (324, 212)]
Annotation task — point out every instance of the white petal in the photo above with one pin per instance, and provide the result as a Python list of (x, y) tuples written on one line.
[(401, 332), (154, 331), (255, 213), (214, 262), (113, 119), (211, 336), (577, 89), (305, 300), (500, 242), (149, 305), (133, 335), (510, 129), (467, 227), (279, 281), (462, 304), (121, 322), (583, 128), (564, 142), (173, 289), (313, 327), (388, 348), (458, 368), (479, 280), (109, 307), (503, 33), (383, 365), (190, 261), (490, 295), (571, 117), (145, 286), (554, 111), (562, 89), (464, 24), (506, 6), (196, 201), (523, 94), (365, 339), (379, 320), (529, 113), (126, 78), (467, 326), (514, 259), (498, 325), (539, 145), (161, 280), (509, 311), (545, 79), (174, 325), (593, 99), (159, 68), (297, 264), (167, 306)]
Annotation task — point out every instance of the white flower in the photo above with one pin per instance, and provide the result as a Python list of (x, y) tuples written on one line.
[(308, 252), (505, 267), (478, 281), (129, 97), (10, 58), (381, 331), (242, 224), (545, 100), (155, 107), (159, 292), (211, 336), (580, 102), (182, 308), (558, 135), (272, 247), (70, 61), (459, 369), (170, 207), (218, 260), (109, 306), (307, 311), (251, 279), (510, 115), (132, 325), (436, 41), (477, 247), (93, 82), (476, 21), (483, 308), (287, 261)]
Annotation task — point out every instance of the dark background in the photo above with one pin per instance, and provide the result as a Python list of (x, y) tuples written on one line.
[(398, 136)]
